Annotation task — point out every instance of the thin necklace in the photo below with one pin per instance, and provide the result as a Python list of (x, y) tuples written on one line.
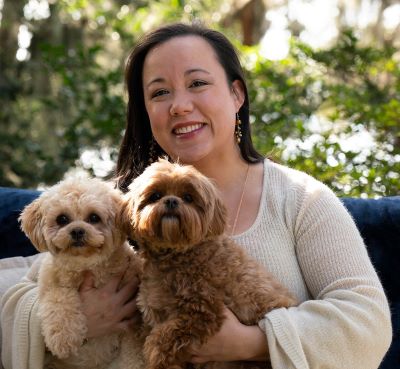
[(241, 200)]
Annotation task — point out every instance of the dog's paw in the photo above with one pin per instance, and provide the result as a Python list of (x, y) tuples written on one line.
[(155, 358), (63, 324), (161, 356), (62, 346)]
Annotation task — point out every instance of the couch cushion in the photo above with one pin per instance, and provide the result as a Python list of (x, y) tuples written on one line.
[(379, 224), (12, 239)]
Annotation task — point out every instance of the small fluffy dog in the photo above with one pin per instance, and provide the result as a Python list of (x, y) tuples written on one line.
[(191, 269), (78, 222)]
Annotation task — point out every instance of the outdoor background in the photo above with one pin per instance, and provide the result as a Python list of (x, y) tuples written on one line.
[(323, 76)]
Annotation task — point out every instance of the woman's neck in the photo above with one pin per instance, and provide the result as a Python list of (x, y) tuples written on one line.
[(240, 185), (232, 177), (224, 170)]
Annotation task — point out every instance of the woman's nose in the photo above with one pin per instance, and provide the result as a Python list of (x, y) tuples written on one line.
[(181, 104)]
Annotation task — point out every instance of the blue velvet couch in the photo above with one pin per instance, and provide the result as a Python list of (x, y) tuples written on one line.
[(377, 220)]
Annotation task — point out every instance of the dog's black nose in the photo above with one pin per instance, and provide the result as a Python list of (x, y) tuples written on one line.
[(171, 203), (77, 234)]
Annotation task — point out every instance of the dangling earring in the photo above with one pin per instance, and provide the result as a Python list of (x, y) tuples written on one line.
[(238, 129), (152, 151)]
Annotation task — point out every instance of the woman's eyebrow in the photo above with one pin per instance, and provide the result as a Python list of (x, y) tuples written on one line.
[(193, 70), (189, 71), (155, 80)]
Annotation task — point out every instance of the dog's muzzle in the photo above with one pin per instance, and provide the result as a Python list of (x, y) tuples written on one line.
[(171, 203), (77, 235)]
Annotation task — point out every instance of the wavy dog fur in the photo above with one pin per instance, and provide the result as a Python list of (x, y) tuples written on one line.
[(77, 222), (192, 269)]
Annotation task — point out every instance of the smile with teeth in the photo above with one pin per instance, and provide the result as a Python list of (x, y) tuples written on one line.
[(188, 129)]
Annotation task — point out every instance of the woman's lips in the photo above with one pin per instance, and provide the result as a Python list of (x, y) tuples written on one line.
[(187, 128)]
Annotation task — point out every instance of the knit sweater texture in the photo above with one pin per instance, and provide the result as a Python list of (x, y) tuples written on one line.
[(308, 240)]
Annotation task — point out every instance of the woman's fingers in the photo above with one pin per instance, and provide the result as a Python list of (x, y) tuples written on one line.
[(128, 290), (198, 359), (127, 310), (108, 308), (126, 325), (88, 282)]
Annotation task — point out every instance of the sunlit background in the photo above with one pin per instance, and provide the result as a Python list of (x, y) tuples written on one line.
[(317, 23), (319, 17)]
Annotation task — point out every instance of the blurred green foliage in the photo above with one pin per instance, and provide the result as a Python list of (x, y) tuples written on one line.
[(332, 113)]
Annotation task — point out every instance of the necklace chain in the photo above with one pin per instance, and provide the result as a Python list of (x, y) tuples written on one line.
[(240, 201)]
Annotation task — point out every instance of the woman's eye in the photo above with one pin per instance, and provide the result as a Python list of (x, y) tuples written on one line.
[(198, 83), (159, 93), (155, 196), (94, 218), (62, 220)]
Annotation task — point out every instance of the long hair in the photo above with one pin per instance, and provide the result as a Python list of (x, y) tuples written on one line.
[(134, 154)]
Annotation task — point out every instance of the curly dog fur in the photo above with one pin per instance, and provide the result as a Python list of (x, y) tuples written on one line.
[(77, 221), (192, 269)]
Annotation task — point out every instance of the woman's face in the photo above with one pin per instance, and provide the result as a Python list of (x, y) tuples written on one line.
[(190, 105)]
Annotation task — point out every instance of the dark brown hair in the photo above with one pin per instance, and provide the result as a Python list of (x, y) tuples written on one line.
[(135, 147)]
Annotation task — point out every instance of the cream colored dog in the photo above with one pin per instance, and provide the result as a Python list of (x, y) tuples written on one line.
[(77, 222)]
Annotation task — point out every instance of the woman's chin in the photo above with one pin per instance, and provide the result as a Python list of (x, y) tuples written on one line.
[(191, 156)]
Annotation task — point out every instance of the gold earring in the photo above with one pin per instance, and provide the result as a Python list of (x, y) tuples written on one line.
[(238, 129), (152, 151)]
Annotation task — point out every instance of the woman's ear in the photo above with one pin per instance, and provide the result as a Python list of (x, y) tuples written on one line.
[(238, 92)]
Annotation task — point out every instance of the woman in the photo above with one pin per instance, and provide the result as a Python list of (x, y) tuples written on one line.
[(188, 100)]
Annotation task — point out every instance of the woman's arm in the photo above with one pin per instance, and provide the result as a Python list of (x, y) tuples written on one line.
[(108, 309), (22, 343), (347, 324), (234, 341)]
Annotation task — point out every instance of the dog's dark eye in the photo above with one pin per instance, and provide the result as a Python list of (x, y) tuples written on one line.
[(155, 196), (187, 197), (62, 220), (94, 218)]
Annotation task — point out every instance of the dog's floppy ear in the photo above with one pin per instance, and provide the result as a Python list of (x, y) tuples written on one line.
[(124, 215), (31, 220), (216, 213), (218, 222)]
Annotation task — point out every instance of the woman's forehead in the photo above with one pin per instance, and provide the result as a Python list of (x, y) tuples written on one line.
[(186, 53)]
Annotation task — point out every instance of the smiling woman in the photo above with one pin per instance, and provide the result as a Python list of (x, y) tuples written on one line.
[(188, 101), (184, 100), (180, 96)]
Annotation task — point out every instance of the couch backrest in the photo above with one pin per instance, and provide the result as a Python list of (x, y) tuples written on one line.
[(379, 224), (12, 240)]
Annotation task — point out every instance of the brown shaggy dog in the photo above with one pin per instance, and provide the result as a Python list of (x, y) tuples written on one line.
[(77, 222), (191, 267)]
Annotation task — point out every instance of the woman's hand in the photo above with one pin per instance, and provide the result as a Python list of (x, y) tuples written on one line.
[(234, 341), (110, 308)]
